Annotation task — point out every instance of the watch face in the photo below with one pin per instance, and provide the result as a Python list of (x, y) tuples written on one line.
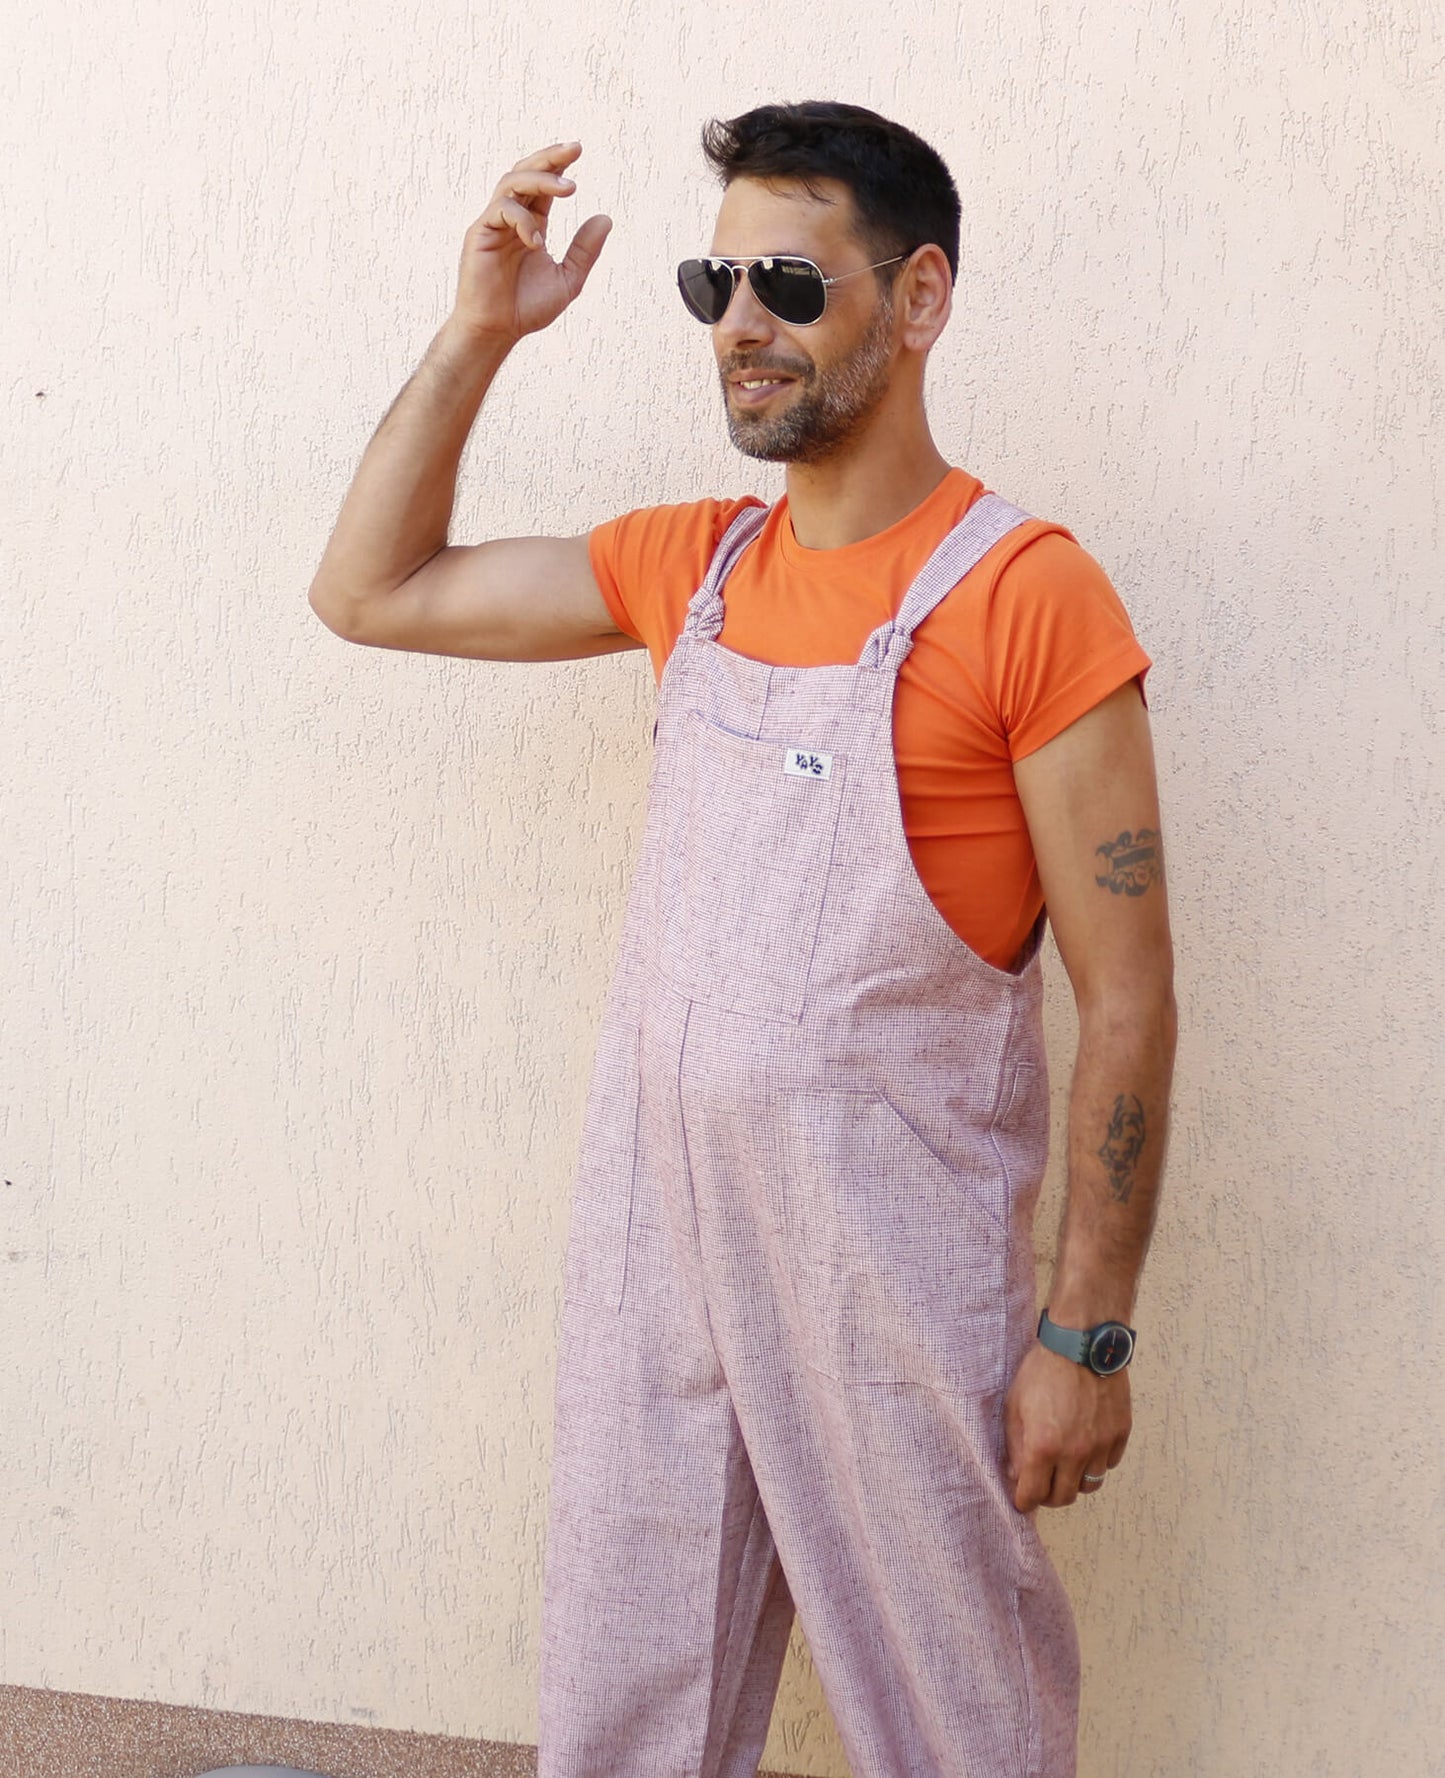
[(1111, 1349)]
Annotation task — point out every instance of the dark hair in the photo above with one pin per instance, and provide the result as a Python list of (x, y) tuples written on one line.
[(903, 193)]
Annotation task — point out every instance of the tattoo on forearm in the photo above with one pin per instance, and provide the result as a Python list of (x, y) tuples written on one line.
[(1131, 863), (1123, 1145)]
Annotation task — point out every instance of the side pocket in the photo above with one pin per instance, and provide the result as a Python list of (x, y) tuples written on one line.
[(1020, 1137), (597, 1241), (900, 1269), (1014, 1104), (912, 1140)]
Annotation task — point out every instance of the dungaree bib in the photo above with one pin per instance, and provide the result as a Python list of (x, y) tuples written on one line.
[(800, 1272)]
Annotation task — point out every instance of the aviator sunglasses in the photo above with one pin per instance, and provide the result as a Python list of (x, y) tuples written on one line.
[(792, 289)]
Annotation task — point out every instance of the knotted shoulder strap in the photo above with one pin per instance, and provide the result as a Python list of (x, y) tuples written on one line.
[(705, 608), (981, 527)]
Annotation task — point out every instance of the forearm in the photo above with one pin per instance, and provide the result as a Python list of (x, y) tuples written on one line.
[(1091, 800), (1118, 1124), (398, 510)]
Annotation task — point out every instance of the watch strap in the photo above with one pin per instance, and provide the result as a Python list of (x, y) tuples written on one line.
[(1068, 1342)]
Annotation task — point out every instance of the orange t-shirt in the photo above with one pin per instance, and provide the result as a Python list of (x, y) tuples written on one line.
[(1027, 643)]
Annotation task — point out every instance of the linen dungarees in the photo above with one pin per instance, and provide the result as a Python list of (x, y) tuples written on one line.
[(800, 1272)]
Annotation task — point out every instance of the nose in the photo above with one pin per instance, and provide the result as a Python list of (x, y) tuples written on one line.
[(745, 322)]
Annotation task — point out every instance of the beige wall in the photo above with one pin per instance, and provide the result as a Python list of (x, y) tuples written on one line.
[(305, 945)]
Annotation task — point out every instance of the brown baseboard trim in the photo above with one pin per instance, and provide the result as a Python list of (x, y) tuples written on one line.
[(73, 1735)]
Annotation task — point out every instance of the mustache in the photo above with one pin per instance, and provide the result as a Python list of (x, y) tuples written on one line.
[(737, 362)]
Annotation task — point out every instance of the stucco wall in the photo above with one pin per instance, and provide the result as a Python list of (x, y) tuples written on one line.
[(305, 944)]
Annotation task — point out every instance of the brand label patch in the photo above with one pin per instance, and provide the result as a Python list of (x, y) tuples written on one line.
[(801, 762)]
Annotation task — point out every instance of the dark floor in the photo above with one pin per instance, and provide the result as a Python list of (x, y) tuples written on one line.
[(71, 1735)]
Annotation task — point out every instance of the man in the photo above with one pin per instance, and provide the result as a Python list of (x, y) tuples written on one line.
[(800, 1360)]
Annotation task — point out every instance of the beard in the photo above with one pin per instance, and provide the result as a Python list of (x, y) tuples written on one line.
[(832, 404)]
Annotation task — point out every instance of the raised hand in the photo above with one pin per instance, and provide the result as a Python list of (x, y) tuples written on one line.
[(508, 284)]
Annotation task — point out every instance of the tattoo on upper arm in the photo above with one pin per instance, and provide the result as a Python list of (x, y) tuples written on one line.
[(1132, 863), (1123, 1145)]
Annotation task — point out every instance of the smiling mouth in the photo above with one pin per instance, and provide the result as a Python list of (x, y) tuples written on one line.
[(756, 388)]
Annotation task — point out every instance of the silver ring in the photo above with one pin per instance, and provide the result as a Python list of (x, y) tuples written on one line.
[(1094, 1478)]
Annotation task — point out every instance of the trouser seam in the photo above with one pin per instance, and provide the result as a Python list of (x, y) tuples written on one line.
[(712, 1748)]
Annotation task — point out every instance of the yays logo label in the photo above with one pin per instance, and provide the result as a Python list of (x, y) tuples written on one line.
[(802, 762)]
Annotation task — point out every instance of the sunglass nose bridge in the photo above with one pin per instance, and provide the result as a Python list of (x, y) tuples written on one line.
[(739, 276)]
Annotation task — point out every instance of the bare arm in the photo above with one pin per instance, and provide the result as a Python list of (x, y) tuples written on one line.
[(388, 576), (1093, 813)]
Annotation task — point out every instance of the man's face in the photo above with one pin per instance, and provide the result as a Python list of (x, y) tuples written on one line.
[(798, 394)]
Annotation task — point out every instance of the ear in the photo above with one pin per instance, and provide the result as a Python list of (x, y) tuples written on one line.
[(923, 298)]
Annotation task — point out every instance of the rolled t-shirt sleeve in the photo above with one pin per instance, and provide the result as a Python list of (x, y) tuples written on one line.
[(1059, 641), (604, 546)]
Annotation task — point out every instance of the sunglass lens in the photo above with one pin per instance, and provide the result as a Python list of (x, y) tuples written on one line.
[(707, 288), (791, 289)]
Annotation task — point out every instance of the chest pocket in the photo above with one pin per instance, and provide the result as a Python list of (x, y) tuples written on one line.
[(747, 841)]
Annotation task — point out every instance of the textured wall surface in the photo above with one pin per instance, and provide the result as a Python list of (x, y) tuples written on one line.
[(305, 944)]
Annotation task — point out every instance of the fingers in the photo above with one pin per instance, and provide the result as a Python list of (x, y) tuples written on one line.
[(524, 224), (1030, 1477), (553, 159), (1041, 1484), (1034, 1487), (581, 256), (1072, 1480), (1047, 1477), (540, 187), (523, 198), (521, 204)]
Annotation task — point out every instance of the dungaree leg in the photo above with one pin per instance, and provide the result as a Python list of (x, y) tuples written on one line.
[(939, 1629), (666, 1615)]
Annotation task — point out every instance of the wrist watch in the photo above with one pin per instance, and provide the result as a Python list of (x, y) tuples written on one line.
[(1105, 1349)]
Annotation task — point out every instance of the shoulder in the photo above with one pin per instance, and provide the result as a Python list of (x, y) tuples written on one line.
[(669, 539), (1048, 566), (1059, 639)]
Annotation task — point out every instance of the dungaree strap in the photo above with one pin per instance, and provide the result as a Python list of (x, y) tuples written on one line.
[(705, 609), (985, 522)]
